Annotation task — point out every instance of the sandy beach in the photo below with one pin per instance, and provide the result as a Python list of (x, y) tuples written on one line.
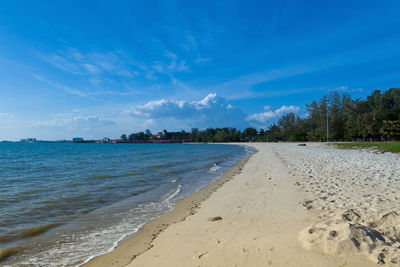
[(287, 205)]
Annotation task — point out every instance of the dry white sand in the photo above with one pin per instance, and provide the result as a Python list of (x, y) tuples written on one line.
[(265, 216), (357, 196)]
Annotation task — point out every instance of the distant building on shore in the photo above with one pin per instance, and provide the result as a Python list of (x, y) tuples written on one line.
[(106, 140), (77, 139), (28, 140), (160, 135)]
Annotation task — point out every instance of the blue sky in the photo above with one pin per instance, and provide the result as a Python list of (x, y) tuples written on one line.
[(102, 68)]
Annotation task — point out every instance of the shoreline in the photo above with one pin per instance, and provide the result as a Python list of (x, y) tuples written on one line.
[(270, 212), (133, 246)]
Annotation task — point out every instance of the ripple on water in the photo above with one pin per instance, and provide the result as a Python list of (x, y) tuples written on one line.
[(99, 194)]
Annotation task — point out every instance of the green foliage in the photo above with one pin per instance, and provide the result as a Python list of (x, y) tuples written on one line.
[(393, 146), (249, 134), (290, 125), (391, 129), (298, 136)]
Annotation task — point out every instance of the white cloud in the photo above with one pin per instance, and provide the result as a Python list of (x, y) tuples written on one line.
[(95, 81), (72, 122), (270, 114), (149, 123), (6, 118), (5, 115), (345, 89), (91, 68), (202, 59), (175, 65), (211, 111), (158, 67)]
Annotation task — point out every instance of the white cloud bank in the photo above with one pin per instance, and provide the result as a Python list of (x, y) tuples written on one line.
[(211, 111), (268, 115)]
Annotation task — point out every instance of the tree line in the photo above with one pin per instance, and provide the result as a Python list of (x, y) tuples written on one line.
[(334, 117)]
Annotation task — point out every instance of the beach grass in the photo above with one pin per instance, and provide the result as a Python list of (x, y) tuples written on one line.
[(388, 146)]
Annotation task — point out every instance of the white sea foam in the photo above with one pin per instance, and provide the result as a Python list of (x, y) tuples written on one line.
[(78, 249), (214, 168), (174, 194)]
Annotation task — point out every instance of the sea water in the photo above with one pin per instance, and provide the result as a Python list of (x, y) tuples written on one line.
[(65, 203)]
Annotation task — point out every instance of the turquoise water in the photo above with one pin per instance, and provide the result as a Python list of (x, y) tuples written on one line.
[(63, 203)]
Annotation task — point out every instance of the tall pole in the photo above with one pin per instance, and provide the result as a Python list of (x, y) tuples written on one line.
[(327, 124)]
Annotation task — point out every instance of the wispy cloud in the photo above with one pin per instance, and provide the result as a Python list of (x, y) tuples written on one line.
[(65, 63), (344, 89), (192, 46), (112, 66), (93, 63), (173, 65), (92, 95), (202, 59), (241, 87), (91, 68), (65, 88)]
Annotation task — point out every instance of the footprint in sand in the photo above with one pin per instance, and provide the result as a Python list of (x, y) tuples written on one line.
[(216, 218), (202, 255)]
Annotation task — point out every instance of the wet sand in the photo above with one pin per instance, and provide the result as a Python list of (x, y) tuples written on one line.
[(257, 214)]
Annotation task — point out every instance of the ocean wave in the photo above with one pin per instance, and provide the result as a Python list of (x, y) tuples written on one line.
[(100, 177), (35, 231), (43, 169), (132, 173), (8, 252), (167, 164), (174, 194), (220, 161), (162, 165), (38, 230), (181, 170), (109, 176)]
